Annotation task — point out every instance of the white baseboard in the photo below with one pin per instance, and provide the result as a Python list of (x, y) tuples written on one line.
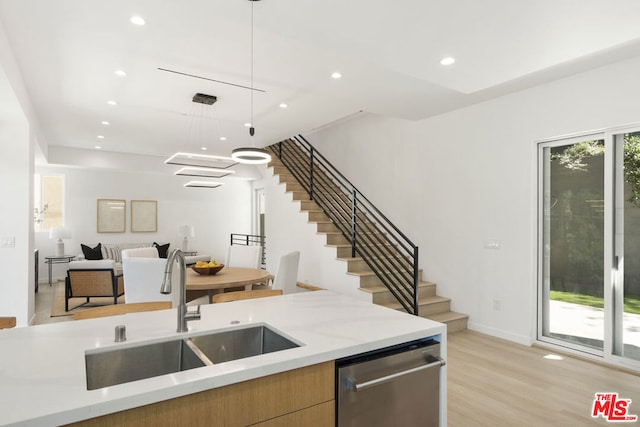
[(499, 333)]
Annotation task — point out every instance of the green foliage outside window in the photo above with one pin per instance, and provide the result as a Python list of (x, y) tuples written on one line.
[(573, 158)]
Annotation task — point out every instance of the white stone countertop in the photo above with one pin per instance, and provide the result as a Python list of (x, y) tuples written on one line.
[(42, 368)]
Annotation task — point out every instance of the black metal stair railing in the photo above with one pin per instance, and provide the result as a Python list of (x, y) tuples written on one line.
[(372, 237)]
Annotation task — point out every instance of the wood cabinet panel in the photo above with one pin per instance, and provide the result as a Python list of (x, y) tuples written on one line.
[(322, 415), (240, 404)]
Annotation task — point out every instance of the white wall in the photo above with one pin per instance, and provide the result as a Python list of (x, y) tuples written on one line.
[(16, 263), (16, 172), (214, 213), (454, 181)]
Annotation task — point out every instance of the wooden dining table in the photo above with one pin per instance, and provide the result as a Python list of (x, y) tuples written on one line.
[(228, 277)]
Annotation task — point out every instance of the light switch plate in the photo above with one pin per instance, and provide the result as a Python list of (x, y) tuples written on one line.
[(7, 242), (492, 244)]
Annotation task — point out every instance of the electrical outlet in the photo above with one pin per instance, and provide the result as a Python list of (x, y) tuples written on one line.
[(496, 305)]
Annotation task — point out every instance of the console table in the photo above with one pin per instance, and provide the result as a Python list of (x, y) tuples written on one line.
[(50, 260)]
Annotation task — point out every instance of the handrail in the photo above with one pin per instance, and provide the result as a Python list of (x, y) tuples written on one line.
[(381, 244)]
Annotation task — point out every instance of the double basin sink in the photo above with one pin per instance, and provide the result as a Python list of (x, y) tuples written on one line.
[(132, 363)]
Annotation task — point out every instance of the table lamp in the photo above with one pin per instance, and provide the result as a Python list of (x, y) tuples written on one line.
[(186, 231), (59, 233)]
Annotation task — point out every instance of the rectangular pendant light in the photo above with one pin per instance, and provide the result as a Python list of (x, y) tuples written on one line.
[(204, 172), (203, 184), (200, 160)]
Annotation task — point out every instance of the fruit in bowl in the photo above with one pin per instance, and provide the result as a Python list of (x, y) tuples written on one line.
[(203, 267)]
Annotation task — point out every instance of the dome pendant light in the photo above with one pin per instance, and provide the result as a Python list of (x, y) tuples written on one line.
[(251, 155)]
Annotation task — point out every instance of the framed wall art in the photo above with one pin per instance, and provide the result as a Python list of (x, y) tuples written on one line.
[(144, 216), (112, 214)]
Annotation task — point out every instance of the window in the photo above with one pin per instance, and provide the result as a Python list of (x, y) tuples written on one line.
[(48, 203)]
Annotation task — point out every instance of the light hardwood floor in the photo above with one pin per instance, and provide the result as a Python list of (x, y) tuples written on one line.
[(493, 382), (43, 302)]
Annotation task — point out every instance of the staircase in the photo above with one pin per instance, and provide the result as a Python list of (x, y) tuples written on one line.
[(377, 249)]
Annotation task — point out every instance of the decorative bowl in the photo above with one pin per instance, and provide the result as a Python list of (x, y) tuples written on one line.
[(207, 270)]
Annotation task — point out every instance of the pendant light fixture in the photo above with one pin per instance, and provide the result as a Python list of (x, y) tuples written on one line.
[(195, 133), (251, 155)]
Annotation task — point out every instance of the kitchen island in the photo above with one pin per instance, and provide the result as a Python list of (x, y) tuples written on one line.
[(42, 368)]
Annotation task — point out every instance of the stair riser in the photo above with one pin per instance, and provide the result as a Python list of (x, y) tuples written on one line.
[(430, 309), (280, 170), (386, 297), (336, 239), (343, 252), (435, 308), (317, 216), (300, 195), (309, 205), (326, 227), (454, 325), (293, 186), (370, 281)]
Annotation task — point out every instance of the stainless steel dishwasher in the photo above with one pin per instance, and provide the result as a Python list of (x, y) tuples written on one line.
[(394, 386)]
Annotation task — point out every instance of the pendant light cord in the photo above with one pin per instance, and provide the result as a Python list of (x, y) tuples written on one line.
[(252, 129)]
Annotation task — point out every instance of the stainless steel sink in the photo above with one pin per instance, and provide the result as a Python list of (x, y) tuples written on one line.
[(128, 364), (131, 363), (231, 345)]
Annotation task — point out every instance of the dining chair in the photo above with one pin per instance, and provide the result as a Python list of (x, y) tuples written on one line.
[(114, 310), (244, 256), (7, 322), (146, 252), (286, 277), (247, 256), (240, 295), (143, 279)]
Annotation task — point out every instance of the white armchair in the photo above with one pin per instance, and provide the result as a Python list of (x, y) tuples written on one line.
[(143, 276)]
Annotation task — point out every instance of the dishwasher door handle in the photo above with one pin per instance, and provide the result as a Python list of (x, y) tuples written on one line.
[(354, 386)]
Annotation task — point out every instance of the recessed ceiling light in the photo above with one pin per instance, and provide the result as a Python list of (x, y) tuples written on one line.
[(137, 20), (247, 125), (100, 136), (203, 148), (98, 147), (104, 122), (121, 73), (447, 60), (223, 138), (112, 102), (284, 105), (336, 75)]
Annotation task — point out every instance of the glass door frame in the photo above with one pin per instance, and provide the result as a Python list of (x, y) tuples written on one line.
[(543, 280), (615, 314), (612, 293)]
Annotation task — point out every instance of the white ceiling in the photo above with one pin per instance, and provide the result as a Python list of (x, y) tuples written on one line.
[(388, 53)]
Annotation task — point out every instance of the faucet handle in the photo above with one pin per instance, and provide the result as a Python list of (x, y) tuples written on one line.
[(193, 315)]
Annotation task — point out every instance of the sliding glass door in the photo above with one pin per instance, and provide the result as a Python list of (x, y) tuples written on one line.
[(573, 243), (589, 244), (626, 283)]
